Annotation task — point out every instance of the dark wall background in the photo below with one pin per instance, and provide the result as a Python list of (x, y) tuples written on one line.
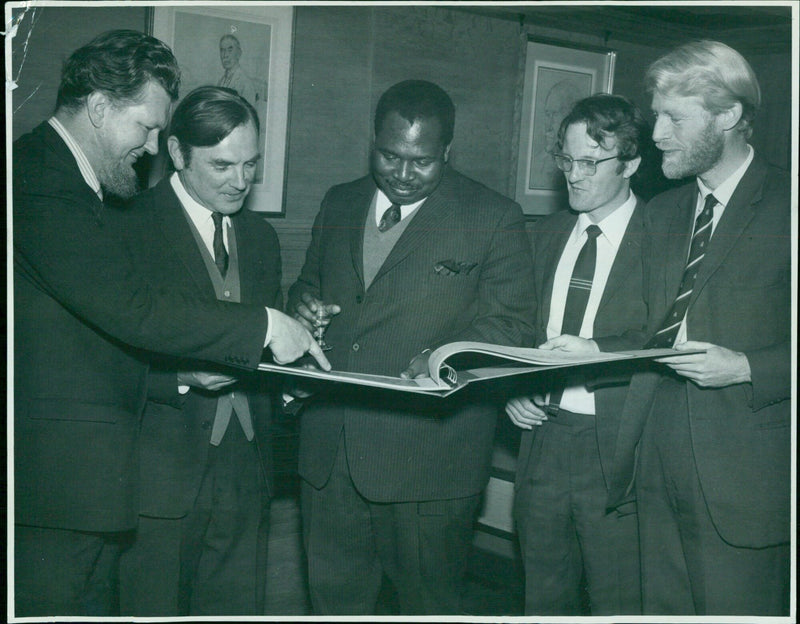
[(345, 56)]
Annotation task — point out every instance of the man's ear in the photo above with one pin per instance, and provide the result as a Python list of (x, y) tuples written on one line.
[(446, 155), (97, 105), (631, 167), (730, 117), (174, 149)]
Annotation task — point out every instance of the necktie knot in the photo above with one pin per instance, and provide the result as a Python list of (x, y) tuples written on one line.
[(390, 218), (593, 231)]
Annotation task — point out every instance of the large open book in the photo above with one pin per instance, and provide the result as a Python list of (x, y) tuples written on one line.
[(444, 379)]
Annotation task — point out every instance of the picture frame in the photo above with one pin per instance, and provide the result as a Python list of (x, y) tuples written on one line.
[(557, 74), (260, 71)]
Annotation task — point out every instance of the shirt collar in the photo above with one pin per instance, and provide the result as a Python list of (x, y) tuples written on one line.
[(199, 214), (613, 226), (382, 203), (88, 173), (724, 191)]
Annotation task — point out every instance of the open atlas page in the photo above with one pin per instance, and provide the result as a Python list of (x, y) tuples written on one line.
[(497, 361)]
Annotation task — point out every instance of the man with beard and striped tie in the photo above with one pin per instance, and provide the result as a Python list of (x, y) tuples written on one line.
[(713, 474)]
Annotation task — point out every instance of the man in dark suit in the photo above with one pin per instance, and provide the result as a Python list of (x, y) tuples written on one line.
[(570, 435), (713, 481), (200, 545), (78, 393), (414, 256)]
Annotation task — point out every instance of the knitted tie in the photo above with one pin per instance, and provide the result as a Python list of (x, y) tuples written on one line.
[(390, 218), (220, 253), (665, 337), (580, 287)]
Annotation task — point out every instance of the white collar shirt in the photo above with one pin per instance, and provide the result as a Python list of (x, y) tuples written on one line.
[(200, 215)]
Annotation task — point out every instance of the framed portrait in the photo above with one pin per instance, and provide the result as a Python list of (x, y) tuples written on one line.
[(248, 49), (556, 76)]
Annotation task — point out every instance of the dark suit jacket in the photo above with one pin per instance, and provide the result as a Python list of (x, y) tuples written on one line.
[(622, 307), (176, 428), (403, 448), (741, 300), (77, 298)]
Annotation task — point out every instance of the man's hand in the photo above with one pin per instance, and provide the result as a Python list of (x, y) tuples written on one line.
[(205, 380), (525, 412), (418, 366), (573, 344), (290, 341), (716, 367), (305, 311)]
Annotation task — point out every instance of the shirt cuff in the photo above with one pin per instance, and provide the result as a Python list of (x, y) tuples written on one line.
[(183, 389), (269, 327)]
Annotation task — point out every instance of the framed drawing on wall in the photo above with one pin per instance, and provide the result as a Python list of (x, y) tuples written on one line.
[(556, 76), (248, 49)]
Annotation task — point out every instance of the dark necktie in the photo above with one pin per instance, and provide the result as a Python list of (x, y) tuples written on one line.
[(580, 287), (665, 337), (220, 253), (390, 218)]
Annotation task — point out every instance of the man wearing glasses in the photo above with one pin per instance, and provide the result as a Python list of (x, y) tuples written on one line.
[(588, 283)]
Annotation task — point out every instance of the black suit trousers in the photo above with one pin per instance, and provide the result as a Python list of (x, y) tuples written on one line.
[(687, 568), (352, 543), (64, 572)]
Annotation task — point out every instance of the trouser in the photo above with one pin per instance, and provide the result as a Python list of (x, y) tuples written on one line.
[(565, 533), (213, 561), (64, 572), (351, 543), (687, 568)]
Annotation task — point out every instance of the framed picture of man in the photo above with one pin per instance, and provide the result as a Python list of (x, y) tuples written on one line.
[(247, 49), (556, 76)]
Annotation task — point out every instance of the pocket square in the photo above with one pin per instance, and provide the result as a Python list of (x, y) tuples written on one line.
[(454, 267)]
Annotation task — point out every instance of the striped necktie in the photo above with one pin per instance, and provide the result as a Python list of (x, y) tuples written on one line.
[(665, 337), (580, 287)]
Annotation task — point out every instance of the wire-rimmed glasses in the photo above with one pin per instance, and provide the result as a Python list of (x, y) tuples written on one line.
[(585, 166)]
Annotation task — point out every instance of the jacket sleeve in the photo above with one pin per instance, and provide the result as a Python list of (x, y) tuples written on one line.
[(69, 248)]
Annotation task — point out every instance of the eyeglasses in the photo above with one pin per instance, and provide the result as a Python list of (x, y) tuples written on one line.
[(585, 166)]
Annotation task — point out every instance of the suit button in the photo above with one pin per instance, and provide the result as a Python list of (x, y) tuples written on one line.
[(227, 293), (206, 424), (359, 298), (356, 347)]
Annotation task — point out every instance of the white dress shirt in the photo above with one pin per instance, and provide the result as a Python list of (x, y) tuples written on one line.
[(577, 398)]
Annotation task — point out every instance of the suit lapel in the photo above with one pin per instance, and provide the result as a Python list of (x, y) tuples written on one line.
[(738, 213), (553, 243), (628, 256), (174, 226), (673, 246), (355, 228)]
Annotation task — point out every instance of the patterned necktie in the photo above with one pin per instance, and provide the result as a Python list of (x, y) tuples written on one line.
[(220, 253), (580, 287), (390, 218), (665, 337)]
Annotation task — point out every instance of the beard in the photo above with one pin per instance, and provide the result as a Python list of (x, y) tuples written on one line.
[(118, 179), (698, 157)]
